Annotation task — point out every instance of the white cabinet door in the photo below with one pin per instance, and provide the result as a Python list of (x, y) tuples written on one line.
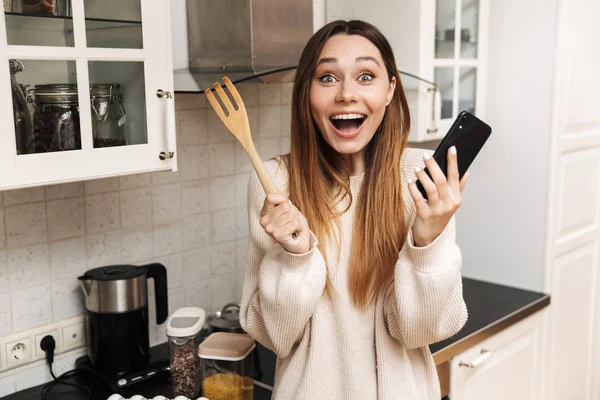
[(505, 366), (86, 105)]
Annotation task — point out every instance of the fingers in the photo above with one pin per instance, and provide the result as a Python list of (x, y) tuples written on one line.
[(429, 186), (453, 175), (280, 218), (437, 175), (416, 194), (272, 201)]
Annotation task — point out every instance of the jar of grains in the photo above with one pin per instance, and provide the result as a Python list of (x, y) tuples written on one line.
[(183, 331), (56, 118)]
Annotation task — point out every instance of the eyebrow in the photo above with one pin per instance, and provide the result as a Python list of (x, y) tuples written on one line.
[(358, 59)]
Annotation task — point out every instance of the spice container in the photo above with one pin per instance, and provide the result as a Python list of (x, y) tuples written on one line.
[(56, 118), (108, 115), (227, 366), (183, 329)]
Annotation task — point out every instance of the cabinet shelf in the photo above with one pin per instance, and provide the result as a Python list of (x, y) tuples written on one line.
[(53, 23)]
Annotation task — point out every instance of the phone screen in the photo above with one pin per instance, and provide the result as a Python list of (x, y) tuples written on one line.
[(468, 133)]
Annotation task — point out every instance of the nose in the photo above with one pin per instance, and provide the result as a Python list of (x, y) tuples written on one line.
[(346, 93)]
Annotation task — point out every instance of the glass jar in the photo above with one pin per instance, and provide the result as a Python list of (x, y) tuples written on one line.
[(183, 332), (56, 118), (108, 115), (21, 113), (227, 366)]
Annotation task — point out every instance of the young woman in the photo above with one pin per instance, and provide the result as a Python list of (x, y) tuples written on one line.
[(351, 305)]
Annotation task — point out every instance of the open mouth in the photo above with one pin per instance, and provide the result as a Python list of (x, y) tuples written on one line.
[(347, 123)]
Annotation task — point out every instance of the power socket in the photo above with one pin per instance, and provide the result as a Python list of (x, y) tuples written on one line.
[(39, 353), (18, 352), (23, 347)]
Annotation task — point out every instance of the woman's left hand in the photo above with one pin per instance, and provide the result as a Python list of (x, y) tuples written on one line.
[(443, 198)]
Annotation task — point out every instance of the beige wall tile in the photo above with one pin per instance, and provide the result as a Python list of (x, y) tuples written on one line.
[(31, 307), (166, 203), (222, 259), (221, 158), (26, 224), (222, 192), (195, 197), (136, 207), (102, 212), (28, 266), (102, 185), (66, 218), (21, 196), (68, 258), (64, 190), (104, 249), (5, 314), (196, 231)]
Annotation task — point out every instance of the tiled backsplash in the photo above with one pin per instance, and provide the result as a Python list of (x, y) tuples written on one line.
[(194, 221)]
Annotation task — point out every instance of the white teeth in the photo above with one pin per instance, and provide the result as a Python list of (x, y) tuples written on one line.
[(348, 116)]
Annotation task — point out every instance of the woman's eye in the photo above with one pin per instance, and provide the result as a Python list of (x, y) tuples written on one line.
[(327, 79), (366, 77)]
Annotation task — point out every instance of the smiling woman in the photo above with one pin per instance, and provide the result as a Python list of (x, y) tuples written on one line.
[(348, 95), (373, 278)]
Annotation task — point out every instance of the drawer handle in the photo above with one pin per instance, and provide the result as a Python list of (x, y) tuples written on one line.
[(483, 357)]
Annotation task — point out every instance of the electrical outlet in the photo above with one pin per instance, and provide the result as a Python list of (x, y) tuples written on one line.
[(18, 352), (68, 335), (39, 353)]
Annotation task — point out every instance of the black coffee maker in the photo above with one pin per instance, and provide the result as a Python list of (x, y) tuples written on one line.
[(116, 303)]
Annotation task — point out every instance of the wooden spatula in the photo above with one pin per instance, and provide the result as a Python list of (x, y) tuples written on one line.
[(236, 120)]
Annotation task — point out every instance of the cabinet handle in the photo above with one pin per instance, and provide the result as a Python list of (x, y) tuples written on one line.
[(483, 357), (170, 122)]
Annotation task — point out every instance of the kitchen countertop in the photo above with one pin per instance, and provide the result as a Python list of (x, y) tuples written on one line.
[(492, 308)]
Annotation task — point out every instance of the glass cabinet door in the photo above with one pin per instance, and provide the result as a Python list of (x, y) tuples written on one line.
[(456, 62), (83, 78)]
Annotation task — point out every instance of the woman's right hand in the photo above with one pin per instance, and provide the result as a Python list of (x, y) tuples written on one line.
[(280, 219)]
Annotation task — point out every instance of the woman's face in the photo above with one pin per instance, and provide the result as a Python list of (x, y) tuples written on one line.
[(349, 93)]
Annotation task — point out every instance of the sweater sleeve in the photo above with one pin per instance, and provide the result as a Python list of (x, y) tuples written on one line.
[(281, 290), (424, 304)]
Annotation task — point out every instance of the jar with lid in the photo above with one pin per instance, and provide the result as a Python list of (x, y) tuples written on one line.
[(183, 332), (56, 118), (108, 115), (227, 366)]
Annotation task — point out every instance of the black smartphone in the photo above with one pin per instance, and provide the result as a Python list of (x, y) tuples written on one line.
[(468, 133)]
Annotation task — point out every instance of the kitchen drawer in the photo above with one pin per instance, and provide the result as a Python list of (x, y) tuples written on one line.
[(504, 366)]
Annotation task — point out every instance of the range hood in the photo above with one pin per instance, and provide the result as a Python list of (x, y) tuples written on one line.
[(240, 39)]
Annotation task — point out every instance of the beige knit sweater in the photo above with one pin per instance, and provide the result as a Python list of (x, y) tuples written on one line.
[(328, 349)]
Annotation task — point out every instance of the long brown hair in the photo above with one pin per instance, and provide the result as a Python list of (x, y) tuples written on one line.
[(317, 174)]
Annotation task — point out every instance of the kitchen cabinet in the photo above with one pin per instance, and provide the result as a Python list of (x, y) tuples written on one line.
[(86, 76), (505, 366), (441, 41)]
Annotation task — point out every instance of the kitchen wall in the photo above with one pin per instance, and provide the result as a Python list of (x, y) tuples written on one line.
[(501, 224), (194, 221)]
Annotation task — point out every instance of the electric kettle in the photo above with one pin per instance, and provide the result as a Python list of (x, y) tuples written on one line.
[(116, 310)]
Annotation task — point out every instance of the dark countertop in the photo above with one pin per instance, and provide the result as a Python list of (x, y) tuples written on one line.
[(491, 308)]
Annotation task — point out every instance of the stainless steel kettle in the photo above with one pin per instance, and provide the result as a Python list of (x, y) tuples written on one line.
[(116, 302)]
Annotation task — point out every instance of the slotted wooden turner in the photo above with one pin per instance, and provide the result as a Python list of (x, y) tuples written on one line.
[(237, 123)]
